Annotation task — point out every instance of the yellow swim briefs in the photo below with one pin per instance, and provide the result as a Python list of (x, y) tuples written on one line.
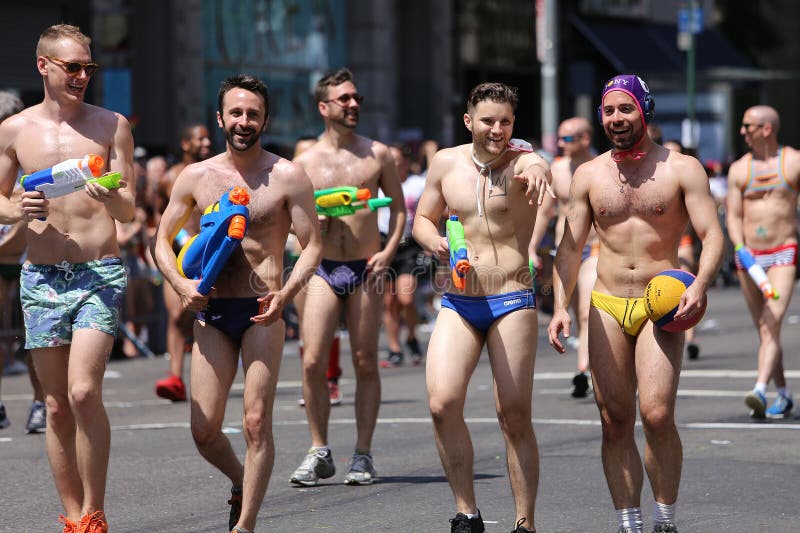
[(629, 313)]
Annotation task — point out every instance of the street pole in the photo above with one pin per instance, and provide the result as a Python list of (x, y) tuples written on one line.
[(547, 52), (690, 73), (690, 23)]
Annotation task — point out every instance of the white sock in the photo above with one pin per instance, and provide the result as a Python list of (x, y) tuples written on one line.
[(761, 387), (476, 515), (783, 391), (631, 518), (322, 449), (663, 513)]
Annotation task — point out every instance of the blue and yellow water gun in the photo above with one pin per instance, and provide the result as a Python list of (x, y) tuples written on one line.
[(222, 228), (346, 200), (459, 260)]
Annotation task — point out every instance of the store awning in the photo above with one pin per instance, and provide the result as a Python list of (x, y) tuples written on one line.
[(650, 47)]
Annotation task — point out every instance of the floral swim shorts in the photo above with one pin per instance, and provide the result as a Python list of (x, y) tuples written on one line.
[(58, 299)]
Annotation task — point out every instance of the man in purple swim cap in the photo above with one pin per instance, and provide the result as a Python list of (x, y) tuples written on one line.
[(636, 88), (639, 197)]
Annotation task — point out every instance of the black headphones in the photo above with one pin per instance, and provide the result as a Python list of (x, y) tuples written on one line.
[(649, 109)]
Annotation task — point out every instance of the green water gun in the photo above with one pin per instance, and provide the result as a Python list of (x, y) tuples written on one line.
[(346, 200), (459, 260)]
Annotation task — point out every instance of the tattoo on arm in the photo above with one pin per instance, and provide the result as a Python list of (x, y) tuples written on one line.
[(571, 215)]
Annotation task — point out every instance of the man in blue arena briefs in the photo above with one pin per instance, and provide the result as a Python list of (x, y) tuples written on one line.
[(639, 197), (494, 192)]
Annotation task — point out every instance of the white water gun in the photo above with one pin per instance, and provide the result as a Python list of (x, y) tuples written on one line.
[(756, 272)]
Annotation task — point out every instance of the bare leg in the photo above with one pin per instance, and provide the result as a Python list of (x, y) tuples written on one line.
[(406, 287), (512, 352), (320, 318), (261, 380), (213, 368), (770, 354), (586, 279), (87, 363), (611, 354), (362, 314), (52, 369), (176, 339), (658, 368), (391, 316), (38, 393), (453, 353)]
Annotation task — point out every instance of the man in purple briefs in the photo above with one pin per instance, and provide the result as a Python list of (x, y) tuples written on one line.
[(346, 281)]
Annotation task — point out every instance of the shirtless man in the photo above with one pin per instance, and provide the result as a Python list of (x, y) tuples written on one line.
[(196, 147), (248, 292), (72, 250), (762, 215), (639, 196), (346, 279), (575, 139), (495, 192)]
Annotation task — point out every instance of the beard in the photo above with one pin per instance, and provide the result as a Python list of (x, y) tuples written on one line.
[(627, 141), (349, 119), (238, 144), (493, 148)]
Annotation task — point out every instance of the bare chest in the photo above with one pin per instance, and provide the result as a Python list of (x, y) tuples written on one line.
[(267, 203), (496, 195), (42, 146), (650, 201), (345, 169)]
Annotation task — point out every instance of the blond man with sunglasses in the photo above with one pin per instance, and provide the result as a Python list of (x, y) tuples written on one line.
[(74, 261)]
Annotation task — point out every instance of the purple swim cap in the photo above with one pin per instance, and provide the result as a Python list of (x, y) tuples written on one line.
[(637, 89)]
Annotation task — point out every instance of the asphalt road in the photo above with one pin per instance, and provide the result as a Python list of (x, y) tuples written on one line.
[(739, 475)]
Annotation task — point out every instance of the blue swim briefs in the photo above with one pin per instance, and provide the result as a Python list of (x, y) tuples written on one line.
[(482, 311), (230, 315)]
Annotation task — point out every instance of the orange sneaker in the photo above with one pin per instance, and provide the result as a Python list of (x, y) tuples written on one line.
[(93, 523), (171, 388), (69, 525)]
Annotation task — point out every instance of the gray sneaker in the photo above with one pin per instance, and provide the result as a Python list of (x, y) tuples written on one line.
[(665, 528), (317, 465), (37, 419), (361, 471)]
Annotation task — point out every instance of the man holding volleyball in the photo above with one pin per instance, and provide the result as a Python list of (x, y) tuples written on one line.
[(639, 196)]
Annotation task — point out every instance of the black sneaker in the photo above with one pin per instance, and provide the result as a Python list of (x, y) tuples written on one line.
[(580, 384), (665, 528), (37, 419), (693, 351), (522, 529), (236, 506), (464, 524), (416, 353), (4, 421)]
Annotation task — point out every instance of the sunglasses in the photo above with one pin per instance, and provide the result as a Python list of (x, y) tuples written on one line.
[(568, 138), (73, 68), (746, 126), (345, 99)]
